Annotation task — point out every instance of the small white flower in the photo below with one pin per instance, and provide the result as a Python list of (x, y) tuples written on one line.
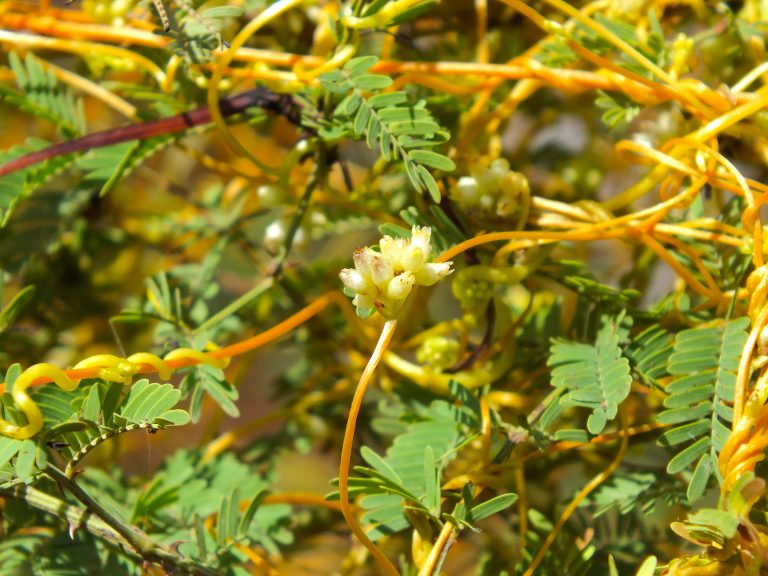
[(275, 233), (400, 286), (381, 270), (413, 258), (420, 239), (354, 280), (430, 273), (383, 280), (274, 236), (392, 249)]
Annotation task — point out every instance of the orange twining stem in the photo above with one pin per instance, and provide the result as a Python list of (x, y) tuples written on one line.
[(281, 329), (67, 25), (247, 345), (116, 369)]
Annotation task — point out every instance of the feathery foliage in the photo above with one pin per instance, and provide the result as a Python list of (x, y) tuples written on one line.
[(187, 186), (76, 422), (410, 471), (39, 93), (595, 376), (704, 364), (387, 121)]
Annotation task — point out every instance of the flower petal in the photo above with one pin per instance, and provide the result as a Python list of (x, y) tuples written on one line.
[(392, 250), (381, 270), (363, 259), (354, 280), (420, 239), (362, 301), (430, 273), (400, 286)]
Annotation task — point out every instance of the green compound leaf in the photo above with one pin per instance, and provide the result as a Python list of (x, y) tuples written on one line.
[(147, 402), (409, 473), (228, 519), (627, 492), (379, 464), (372, 82), (387, 122), (222, 12), (648, 567), (431, 481), (96, 411), (106, 167), (16, 306), (42, 95), (358, 66), (9, 447), (595, 376), (433, 160), (648, 354), (16, 186), (388, 100), (704, 363)]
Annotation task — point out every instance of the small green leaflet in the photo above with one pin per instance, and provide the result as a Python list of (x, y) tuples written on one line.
[(387, 121), (152, 403), (704, 364), (596, 376)]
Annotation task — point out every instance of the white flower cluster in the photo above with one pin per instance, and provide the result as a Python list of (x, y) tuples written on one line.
[(383, 280), (491, 189)]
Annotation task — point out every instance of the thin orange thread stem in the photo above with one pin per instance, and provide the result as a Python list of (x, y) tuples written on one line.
[(236, 349), (434, 554), (346, 450), (278, 331), (257, 560), (485, 430)]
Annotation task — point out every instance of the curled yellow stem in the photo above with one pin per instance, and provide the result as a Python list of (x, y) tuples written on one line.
[(161, 367), (744, 373), (27, 405), (187, 356)]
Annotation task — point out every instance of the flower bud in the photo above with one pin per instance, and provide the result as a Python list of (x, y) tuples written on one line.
[(400, 286)]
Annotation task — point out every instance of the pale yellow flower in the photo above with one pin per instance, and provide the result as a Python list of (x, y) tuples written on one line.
[(383, 280)]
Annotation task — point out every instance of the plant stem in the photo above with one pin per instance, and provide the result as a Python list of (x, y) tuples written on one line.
[(583, 493), (318, 176), (74, 516), (316, 179), (144, 546), (229, 106), (346, 450), (231, 308), (436, 553)]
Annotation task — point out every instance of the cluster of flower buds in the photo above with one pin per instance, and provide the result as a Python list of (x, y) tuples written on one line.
[(493, 189), (108, 11), (383, 280), (439, 352)]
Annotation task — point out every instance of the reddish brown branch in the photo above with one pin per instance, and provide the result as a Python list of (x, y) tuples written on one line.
[(258, 97)]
